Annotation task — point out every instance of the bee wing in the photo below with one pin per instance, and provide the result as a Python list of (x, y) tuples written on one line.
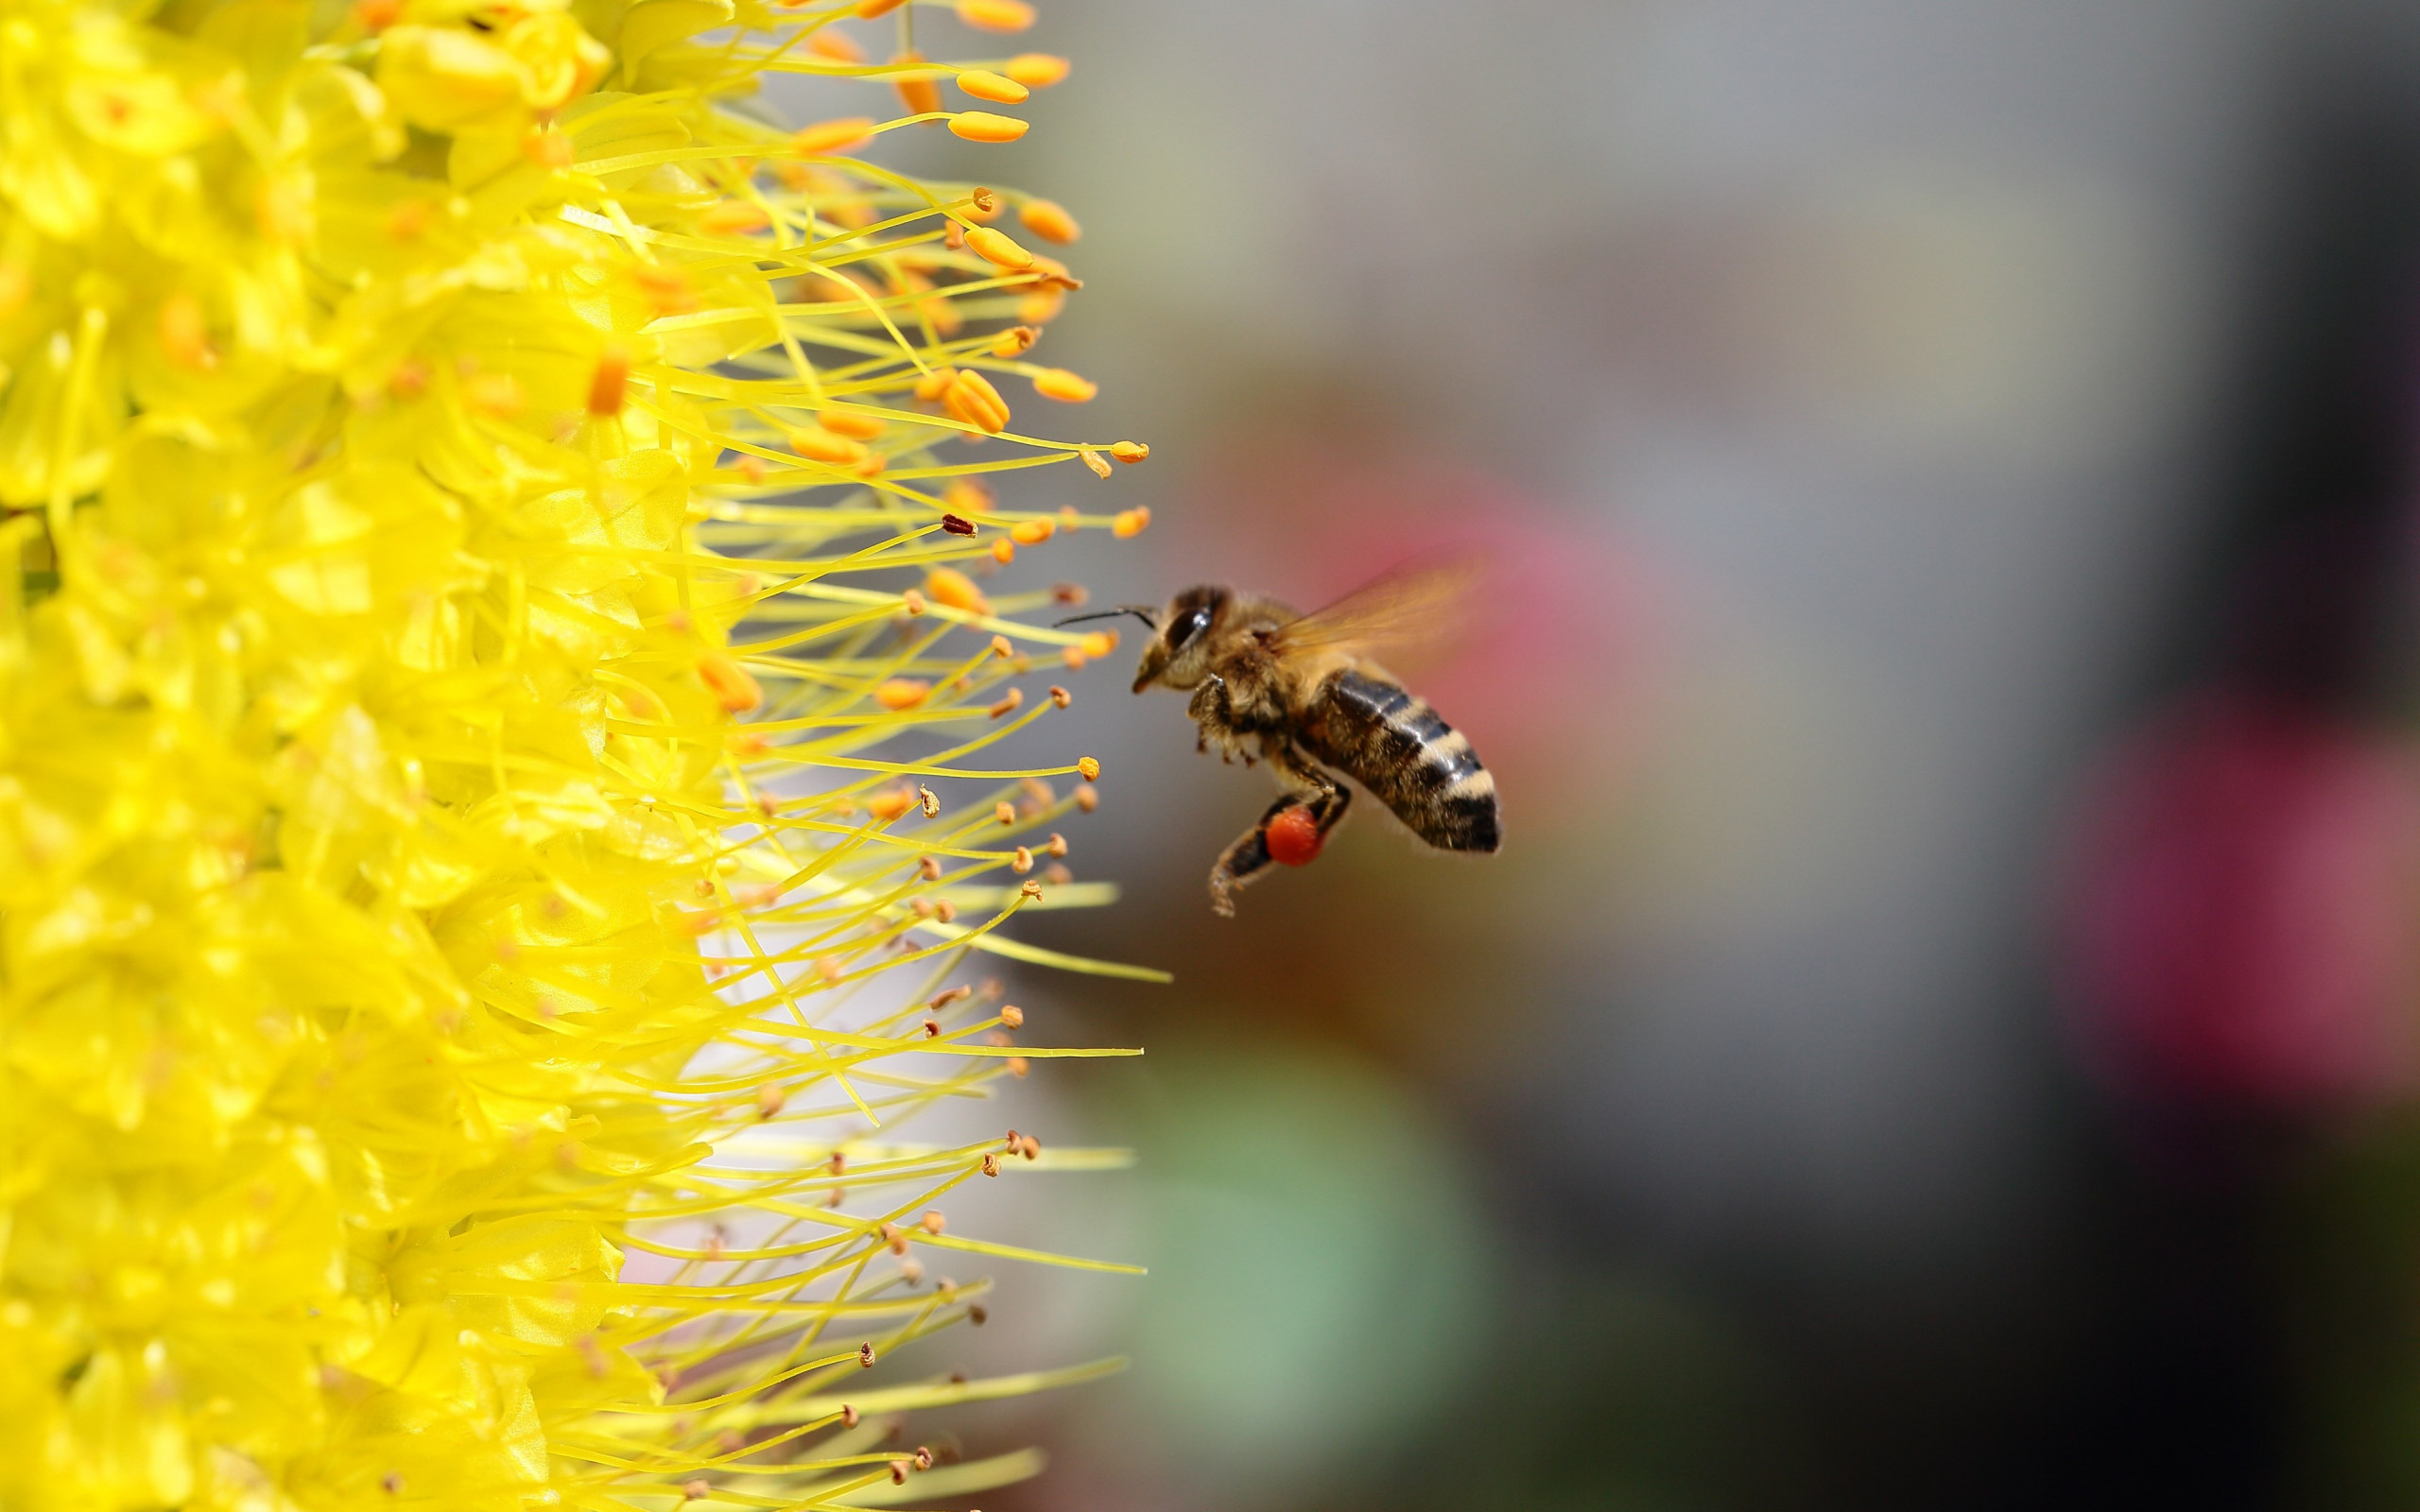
[(1405, 613)]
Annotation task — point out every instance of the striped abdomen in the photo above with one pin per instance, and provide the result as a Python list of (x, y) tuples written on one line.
[(1412, 761)]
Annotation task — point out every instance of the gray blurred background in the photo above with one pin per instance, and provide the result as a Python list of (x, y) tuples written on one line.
[(1932, 1038)]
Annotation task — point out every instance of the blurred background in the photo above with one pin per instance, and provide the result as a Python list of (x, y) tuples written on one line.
[(1938, 1033)]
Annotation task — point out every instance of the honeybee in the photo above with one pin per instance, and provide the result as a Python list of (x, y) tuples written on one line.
[(1302, 693)]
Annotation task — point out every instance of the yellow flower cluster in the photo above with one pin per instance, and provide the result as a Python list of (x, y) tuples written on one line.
[(479, 580)]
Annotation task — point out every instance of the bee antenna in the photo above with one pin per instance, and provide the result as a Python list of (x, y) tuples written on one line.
[(1141, 611)]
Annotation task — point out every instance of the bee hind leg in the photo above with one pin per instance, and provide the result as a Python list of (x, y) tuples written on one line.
[(1245, 860)]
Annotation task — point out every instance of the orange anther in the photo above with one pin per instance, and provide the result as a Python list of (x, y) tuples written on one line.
[(1009, 705), (1003, 550), (870, 10), (1088, 768), (730, 217), (1018, 1065), (1036, 70), (832, 136), (931, 386), (1015, 341), (932, 1222), (1012, 1015), (1065, 386), (912, 601), (983, 125), (985, 85), (855, 424), (833, 451), (1049, 220), (1093, 460), (836, 46), (407, 220), (608, 385), (1130, 523), (999, 247), (184, 332), (666, 288), (888, 806), (918, 91), (1087, 798), (1005, 812), (971, 400), (1129, 452), (550, 151), (946, 585), (1058, 845), (1100, 643), (1031, 532), (1022, 862), (996, 16), (1074, 658), (731, 683), (902, 693)]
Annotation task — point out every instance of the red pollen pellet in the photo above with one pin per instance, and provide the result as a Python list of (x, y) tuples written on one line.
[(1293, 837)]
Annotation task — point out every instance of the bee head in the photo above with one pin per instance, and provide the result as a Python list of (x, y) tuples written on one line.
[(1179, 654)]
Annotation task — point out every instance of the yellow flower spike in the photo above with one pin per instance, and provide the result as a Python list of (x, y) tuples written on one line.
[(985, 85), (999, 249), (971, 399), (946, 585), (419, 867), (1036, 70), (983, 125), (1067, 387), (1049, 220), (841, 136), (996, 16)]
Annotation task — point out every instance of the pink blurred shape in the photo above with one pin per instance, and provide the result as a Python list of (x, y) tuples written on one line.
[(2240, 917)]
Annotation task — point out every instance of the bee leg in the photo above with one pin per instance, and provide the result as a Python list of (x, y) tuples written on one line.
[(1243, 861), (1249, 856)]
